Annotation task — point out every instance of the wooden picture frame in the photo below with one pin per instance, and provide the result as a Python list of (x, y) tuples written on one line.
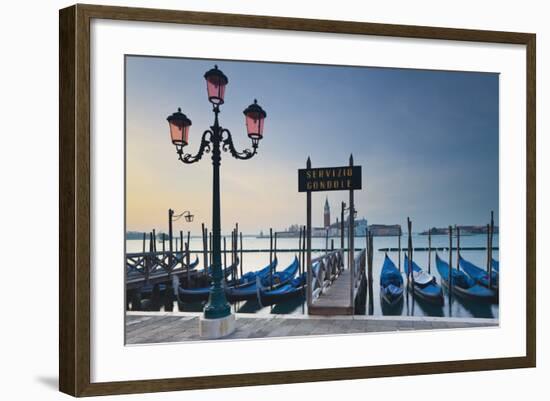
[(75, 207)]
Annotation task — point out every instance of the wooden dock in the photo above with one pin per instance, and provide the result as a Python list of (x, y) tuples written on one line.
[(336, 298), (335, 290), (165, 327)]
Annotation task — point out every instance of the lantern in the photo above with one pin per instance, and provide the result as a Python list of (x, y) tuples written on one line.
[(215, 85), (179, 128), (254, 118)]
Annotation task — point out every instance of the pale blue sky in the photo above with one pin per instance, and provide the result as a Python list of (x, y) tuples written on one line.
[(427, 141)]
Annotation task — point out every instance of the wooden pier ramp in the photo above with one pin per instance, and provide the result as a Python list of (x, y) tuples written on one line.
[(335, 289)]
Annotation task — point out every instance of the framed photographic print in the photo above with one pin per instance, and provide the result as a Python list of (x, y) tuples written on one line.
[(335, 197)]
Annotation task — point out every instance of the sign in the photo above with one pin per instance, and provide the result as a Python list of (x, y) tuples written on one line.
[(329, 179)]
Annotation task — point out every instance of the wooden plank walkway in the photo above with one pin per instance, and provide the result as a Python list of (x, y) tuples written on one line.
[(335, 300), (164, 327)]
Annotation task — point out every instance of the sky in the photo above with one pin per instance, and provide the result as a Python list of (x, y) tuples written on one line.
[(427, 142)]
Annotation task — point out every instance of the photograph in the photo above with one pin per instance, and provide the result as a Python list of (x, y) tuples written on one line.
[(270, 199)]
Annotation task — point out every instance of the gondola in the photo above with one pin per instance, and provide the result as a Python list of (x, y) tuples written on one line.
[(425, 285), (293, 290), (496, 265), (248, 279), (463, 285), (275, 280), (391, 283), (192, 265), (227, 271), (479, 275)]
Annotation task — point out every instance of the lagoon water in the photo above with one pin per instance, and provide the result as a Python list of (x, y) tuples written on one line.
[(410, 307)]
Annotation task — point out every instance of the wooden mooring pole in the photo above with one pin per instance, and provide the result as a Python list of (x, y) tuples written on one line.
[(204, 249), (399, 250), (487, 260), (308, 240), (369, 271), (300, 252), (210, 250), (450, 279), (237, 248), (430, 251), (224, 252), (352, 239), (233, 256), (275, 245), (302, 261), (270, 245), (188, 261), (187, 255), (181, 248), (490, 250), (170, 236), (241, 258), (342, 224), (188, 250), (303, 247), (410, 255), (457, 228)]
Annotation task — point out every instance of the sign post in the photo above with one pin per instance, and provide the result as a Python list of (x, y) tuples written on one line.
[(351, 251), (345, 178), (308, 239)]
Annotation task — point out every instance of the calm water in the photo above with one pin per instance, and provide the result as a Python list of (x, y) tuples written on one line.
[(458, 307)]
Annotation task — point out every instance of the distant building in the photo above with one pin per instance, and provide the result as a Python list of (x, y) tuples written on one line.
[(384, 230), (333, 229), (327, 214), (361, 226), (464, 230)]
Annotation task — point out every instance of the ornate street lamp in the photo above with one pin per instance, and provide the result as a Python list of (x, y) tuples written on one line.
[(216, 82), (254, 118), (175, 217), (214, 140), (179, 128)]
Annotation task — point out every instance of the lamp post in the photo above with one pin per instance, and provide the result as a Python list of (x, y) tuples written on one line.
[(175, 217), (215, 140)]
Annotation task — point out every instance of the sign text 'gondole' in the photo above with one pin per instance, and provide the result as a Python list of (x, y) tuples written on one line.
[(329, 179)]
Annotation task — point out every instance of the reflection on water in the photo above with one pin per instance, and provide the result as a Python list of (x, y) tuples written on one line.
[(423, 307), (392, 310), (409, 306), (248, 307), (292, 306), (474, 309)]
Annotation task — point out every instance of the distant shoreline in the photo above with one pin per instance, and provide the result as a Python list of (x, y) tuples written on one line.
[(297, 235)]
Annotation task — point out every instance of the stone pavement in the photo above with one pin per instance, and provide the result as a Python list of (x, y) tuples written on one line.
[(161, 327)]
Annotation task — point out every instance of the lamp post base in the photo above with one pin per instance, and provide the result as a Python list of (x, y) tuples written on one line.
[(210, 329)]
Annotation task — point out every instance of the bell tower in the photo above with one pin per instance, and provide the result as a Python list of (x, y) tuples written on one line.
[(327, 214)]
